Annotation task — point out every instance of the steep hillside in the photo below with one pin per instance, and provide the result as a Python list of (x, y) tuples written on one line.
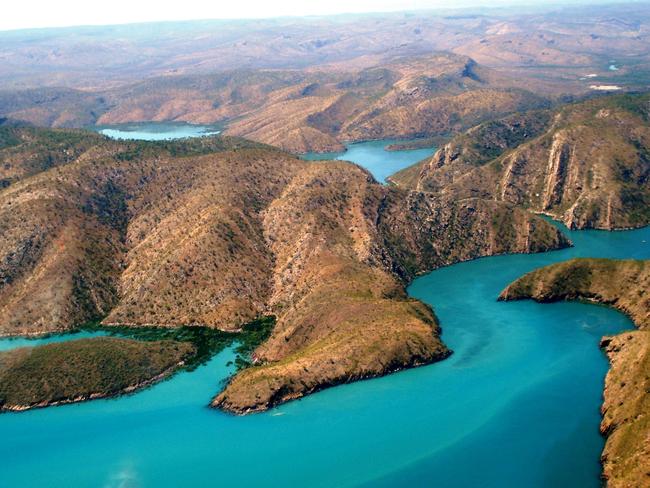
[(124, 223), (340, 274), (588, 165), (623, 285), (475, 147), (218, 231), (625, 410)]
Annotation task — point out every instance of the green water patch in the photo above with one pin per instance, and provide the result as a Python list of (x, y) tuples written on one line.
[(207, 341)]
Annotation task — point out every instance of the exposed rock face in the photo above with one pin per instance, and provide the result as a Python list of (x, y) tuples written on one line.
[(472, 149), (588, 165), (626, 406), (558, 161), (217, 231)]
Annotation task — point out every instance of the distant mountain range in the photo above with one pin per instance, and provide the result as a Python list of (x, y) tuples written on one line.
[(314, 84)]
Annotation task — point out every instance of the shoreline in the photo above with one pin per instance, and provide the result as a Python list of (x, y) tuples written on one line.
[(626, 351)]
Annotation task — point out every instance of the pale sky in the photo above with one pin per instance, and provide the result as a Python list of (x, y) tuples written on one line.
[(19, 14)]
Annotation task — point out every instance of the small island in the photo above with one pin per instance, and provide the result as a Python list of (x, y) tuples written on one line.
[(85, 369), (624, 285)]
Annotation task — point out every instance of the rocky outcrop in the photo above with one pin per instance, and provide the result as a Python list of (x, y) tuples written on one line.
[(623, 285), (588, 165), (472, 149), (558, 162), (625, 409)]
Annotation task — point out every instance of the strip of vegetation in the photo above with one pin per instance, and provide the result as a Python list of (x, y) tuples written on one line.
[(193, 146), (7, 137), (413, 144), (206, 341)]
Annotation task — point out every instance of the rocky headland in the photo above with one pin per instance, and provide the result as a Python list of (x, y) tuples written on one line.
[(624, 285)]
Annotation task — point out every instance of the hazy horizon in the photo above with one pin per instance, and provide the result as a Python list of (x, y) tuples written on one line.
[(41, 14)]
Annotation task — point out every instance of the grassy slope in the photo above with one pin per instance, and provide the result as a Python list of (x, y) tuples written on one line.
[(623, 285), (83, 369)]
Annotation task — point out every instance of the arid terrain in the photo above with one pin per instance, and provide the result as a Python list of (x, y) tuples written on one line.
[(587, 164), (536, 113), (312, 85)]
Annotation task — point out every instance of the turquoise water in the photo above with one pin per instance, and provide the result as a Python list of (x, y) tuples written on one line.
[(516, 405), (150, 131), (15, 342), (372, 156)]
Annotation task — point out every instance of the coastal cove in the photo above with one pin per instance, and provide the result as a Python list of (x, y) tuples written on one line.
[(518, 401), (373, 156)]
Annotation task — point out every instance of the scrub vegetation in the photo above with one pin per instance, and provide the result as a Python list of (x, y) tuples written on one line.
[(84, 369)]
